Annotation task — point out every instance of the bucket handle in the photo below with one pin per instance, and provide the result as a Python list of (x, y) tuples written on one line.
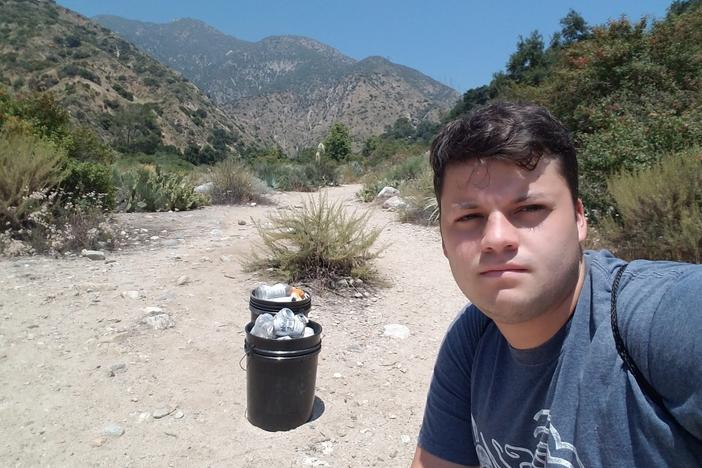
[(247, 350)]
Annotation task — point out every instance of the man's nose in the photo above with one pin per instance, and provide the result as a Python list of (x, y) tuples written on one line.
[(499, 234)]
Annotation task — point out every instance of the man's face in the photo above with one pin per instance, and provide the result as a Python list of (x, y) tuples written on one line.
[(512, 236)]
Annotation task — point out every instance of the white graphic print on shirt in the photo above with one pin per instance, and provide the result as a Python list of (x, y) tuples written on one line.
[(550, 449)]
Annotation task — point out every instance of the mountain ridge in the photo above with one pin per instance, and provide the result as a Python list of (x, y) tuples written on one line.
[(292, 76), (97, 76)]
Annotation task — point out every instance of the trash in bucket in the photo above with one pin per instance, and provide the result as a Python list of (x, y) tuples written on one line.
[(280, 379), (279, 293), (261, 300), (284, 325)]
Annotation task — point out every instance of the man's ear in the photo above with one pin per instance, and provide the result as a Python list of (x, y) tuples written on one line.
[(581, 220)]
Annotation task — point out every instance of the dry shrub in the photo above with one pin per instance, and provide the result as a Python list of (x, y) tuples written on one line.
[(234, 183), (659, 210), (319, 242), (422, 207)]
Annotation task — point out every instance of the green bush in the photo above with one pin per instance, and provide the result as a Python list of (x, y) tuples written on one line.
[(35, 215), (319, 242), (126, 94), (165, 161), (406, 169), (234, 183), (71, 70), (29, 166), (83, 144), (659, 210), (146, 190), (85, 178)]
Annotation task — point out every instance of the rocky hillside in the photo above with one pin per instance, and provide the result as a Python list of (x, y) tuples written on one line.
[(104, 81), (289, 89)]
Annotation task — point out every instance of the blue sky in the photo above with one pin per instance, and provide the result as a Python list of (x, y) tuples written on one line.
[(460, 43)]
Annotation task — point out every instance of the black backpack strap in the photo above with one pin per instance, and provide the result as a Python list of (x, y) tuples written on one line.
[(629, 363)]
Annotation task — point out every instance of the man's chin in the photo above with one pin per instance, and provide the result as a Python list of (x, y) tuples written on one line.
[(510, 309)]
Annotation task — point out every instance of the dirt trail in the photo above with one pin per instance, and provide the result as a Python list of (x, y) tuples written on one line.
[(74, 357)]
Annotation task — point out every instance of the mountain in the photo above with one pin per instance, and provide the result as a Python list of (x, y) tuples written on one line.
[(289, 89), (105, 82)]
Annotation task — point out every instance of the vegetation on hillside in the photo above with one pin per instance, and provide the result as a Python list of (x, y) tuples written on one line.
[(631, 93), (87, 125)]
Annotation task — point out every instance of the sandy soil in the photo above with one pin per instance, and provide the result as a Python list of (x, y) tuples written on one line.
[(76, 359)]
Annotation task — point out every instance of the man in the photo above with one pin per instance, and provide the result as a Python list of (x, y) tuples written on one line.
[(529, 374)]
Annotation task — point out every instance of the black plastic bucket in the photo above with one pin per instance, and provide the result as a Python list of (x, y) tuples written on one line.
[(280, 379), (264, 306)]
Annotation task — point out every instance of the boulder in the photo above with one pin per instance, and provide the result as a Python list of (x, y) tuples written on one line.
[(394, 203), (387, 192), (204, 188)]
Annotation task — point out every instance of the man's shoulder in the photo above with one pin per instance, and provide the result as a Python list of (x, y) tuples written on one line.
[(466, 330), (640, 273)]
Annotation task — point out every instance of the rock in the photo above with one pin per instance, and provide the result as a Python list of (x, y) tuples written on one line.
[(167, 296), (342, 283), (182, 280), (396, 330), (158, 320), (241, 222), (405, 439), (394, 203), (116, 369), (252, 204), (178, 414), (207, 187), (99, 442), (93, 254), (131, 294), (216, 233), (162, 412), (387, 192), (170, 242), (358, 295), (225, 258), (154, 238), (113, 430)]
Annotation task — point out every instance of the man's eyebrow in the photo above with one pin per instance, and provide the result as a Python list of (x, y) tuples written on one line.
[(530, 196), (471, 205)]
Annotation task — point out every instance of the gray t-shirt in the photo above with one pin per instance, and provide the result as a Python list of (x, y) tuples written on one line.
[(569, 402)]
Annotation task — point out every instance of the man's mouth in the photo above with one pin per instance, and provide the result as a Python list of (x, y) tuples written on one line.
[(502, 270)]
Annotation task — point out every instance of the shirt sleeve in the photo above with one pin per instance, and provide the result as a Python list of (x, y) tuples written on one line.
[(446, 430), (675, 349)]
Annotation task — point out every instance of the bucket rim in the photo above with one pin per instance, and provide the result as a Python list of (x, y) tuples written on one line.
[(295, 344)]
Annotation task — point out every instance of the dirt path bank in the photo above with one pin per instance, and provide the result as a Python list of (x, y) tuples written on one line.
[(76, 360)]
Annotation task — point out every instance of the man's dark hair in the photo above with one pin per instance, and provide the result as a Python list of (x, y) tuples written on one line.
[(521, 133)]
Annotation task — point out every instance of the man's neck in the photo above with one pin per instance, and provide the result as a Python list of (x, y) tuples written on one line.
[(540, 329)]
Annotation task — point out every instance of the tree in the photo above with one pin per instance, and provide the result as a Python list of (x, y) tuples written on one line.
[(527, 64), (337, 144), (136, 129), (574, 28)]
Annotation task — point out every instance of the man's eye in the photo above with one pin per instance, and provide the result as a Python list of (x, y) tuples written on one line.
[(531, 208), (469, 217)]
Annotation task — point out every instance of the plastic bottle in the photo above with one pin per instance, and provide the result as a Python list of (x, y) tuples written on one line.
[(264, 327), (286, 323), (271, 292)]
